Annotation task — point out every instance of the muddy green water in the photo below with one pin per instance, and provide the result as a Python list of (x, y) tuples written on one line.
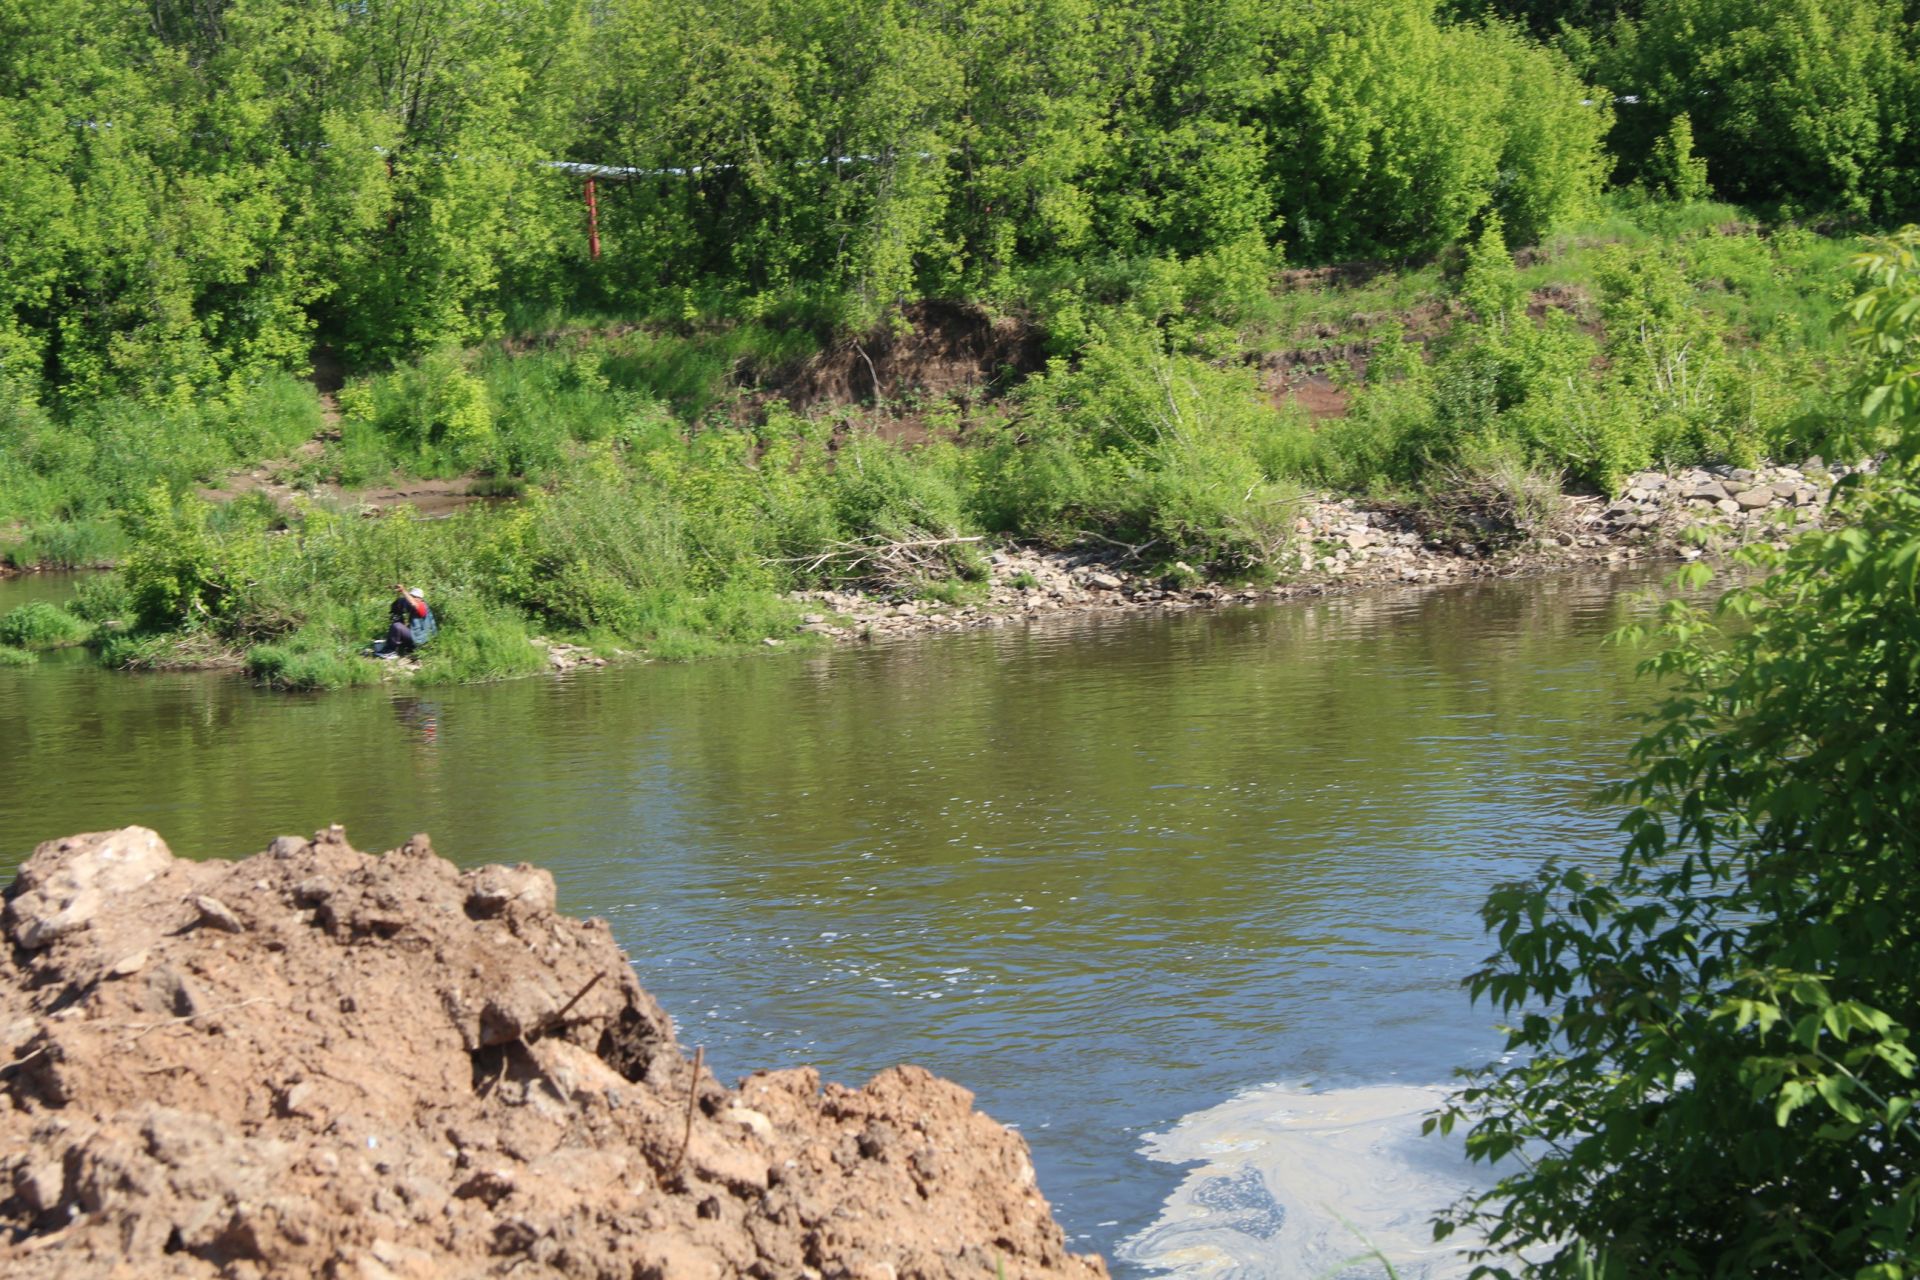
[(1107, 874)]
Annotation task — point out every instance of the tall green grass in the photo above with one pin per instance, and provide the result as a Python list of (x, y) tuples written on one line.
[(41, 625), (65, 480)]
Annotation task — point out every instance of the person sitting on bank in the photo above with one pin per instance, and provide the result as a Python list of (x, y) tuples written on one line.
[(409, 621)]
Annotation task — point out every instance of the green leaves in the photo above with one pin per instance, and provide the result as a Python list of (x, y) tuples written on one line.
[(1710, 75), (1727, 1036)]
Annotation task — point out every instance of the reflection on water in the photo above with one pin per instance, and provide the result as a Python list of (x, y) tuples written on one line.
[(1293, 1184), (420, 717), (1105, 873)]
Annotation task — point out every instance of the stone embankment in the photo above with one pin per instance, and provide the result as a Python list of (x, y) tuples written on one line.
[(315, 1062), (1342, 544)]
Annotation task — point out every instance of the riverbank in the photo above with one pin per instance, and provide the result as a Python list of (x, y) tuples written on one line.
[(670, 489), (317, 1061), (1480, 529), (1345, 544)]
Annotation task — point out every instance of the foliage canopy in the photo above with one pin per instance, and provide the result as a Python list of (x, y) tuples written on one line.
[(198, 193)]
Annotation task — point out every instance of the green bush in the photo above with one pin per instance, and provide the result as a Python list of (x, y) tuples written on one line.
[(433, 416), (42, 626), (310, 659), (1840, 142), (180, 573), (12, 657), (1149, 446), (583, 598)]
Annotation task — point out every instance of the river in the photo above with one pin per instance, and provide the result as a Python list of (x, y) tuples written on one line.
[(1158, 889)]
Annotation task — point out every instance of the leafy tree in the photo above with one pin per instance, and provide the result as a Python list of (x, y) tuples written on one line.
[(1674, 168), (1548, 17), (1711, 1069), (1552, 127), (202, 190), (1806, 101), (1391, 133)]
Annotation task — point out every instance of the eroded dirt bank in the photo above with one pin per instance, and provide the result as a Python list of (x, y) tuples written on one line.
[(320, 1062)]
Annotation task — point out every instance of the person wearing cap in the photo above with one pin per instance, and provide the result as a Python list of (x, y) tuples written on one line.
[(409, 621)]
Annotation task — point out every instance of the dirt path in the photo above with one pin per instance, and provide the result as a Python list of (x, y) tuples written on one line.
[(432, 499)]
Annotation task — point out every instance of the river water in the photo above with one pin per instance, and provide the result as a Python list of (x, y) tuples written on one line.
[(1158, 889)]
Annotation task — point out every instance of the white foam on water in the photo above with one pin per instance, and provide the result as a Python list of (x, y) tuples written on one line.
[(1293, 1184)]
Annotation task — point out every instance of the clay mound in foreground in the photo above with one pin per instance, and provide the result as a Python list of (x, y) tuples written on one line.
[(320, 1062)]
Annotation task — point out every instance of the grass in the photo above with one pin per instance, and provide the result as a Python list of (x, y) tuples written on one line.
[(478, 640), (40, 626), (65, 544), (310, 659), (698, 374), (81, 468), (1781, 284), (12, 657)]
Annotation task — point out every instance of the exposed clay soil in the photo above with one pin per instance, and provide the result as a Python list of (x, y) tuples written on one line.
[(947, 349), (315, 1062)]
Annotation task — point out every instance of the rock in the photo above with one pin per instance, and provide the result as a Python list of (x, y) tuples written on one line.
[(493, 891), (41, 1181), (1708, 491), (1104, 581), (215, 914), (128, 965), (750, 1119), (1755, 498), (1729, 506), (65, 884)]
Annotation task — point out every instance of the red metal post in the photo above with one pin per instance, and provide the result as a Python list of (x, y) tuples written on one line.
[(593, 222)]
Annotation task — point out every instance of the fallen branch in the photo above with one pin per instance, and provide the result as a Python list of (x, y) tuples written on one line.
[(559, 1018), (693, 1098), (1133, 552), (878, 394), (888, 561), (19, 1062)]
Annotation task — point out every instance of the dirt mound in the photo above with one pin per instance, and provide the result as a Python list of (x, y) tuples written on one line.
[(942, 349), (319, 1062)]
